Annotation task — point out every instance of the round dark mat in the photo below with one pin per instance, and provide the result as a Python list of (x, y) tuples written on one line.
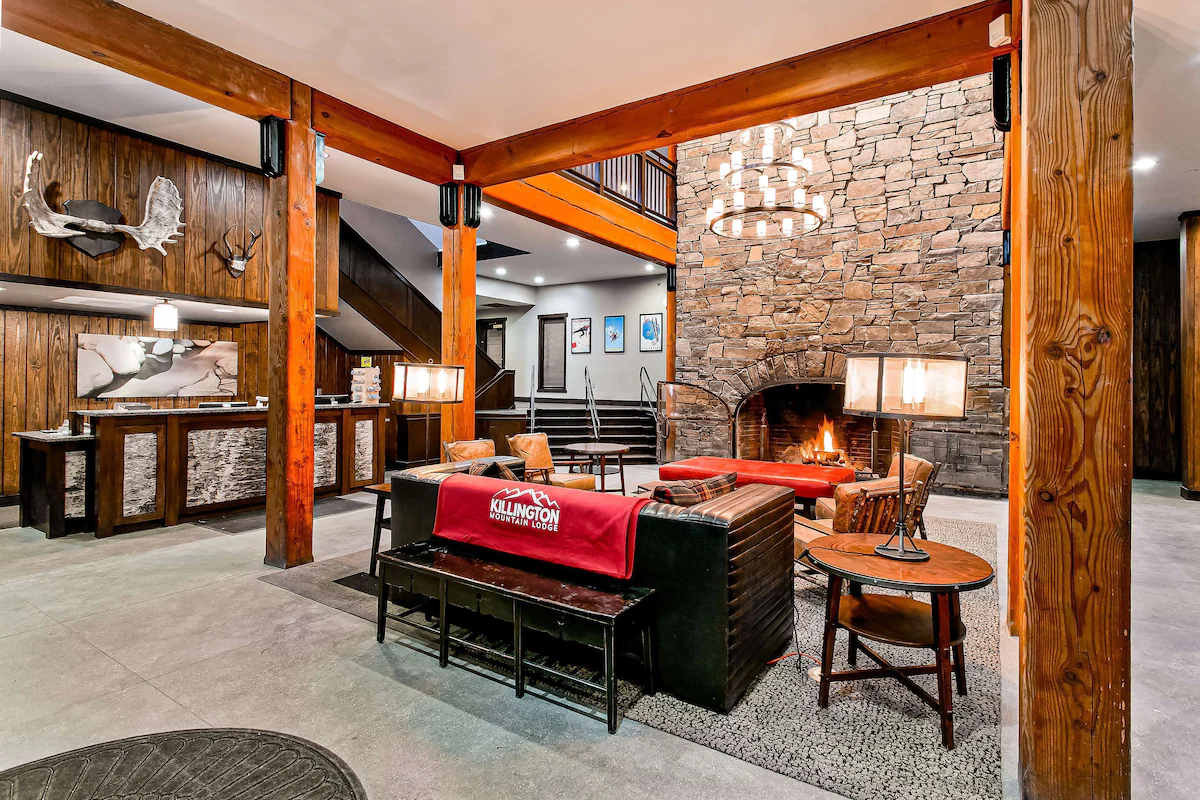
[(212, 763)]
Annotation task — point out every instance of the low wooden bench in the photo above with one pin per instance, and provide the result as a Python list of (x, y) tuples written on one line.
[(468, 578)]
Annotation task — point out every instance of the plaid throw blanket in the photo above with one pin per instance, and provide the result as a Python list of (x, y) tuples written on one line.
[(694, 492)]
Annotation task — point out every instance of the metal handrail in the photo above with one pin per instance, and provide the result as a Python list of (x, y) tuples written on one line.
[(532, 399), (590, 398), (649, 393)]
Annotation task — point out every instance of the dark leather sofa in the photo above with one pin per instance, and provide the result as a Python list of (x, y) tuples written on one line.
[(721, 570)]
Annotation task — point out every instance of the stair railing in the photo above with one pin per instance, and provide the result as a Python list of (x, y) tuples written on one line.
[(650, 404), (532, 399), (590, 398), (649, 394)]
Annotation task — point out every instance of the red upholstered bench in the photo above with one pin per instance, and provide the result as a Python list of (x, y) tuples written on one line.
[(807, 480)]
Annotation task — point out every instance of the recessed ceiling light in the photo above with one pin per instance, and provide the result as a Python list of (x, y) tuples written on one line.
[(503, 271), (572, 242), (538, 279), (1145, 163), (485, 212), (649, 267)]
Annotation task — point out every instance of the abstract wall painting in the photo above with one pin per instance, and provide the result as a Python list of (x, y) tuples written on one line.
[(651, 328), (614, 334), (581, 335), (146, 366)]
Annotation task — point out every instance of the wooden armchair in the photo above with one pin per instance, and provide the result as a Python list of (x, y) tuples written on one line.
[(862, 509), (534, 450)]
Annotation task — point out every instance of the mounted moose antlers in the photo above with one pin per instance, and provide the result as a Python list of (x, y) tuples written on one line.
[(160, 225), (237, 263)]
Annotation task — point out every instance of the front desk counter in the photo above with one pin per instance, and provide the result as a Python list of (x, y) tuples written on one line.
[(164, 466)]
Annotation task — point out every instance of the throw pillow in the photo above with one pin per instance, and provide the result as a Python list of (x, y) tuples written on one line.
[(694, 492), (491, 469)]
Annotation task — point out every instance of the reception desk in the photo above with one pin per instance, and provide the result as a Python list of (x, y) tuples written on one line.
[(165, 466)]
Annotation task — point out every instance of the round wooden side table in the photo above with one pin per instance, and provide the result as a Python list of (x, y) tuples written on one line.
[(902, 621), (596, 454)]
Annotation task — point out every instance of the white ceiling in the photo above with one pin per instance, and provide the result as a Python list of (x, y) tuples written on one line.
[(1166, 102), (471, 71)]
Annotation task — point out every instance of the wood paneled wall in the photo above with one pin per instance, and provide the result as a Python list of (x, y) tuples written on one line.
[(37, 370), (88, 162), (332, 367), (1157, 446)]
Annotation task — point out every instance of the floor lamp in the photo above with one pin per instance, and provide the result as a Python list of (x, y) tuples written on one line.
[(905, 387), (431, 384)]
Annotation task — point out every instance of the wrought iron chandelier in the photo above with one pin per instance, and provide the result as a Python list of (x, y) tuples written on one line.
[(766, 180)]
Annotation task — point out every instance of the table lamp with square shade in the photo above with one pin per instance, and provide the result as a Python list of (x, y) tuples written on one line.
[(432, 384), (905, 387)]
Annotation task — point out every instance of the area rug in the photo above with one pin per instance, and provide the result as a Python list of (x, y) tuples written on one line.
[(876, 740), (212, 763), (235, 524), (340, 583)]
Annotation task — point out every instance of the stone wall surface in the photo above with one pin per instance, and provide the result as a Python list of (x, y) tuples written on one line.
[(909, 261)]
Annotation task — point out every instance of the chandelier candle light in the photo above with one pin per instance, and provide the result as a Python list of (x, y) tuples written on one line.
[(432, 384), (766, 175), (905, 387)]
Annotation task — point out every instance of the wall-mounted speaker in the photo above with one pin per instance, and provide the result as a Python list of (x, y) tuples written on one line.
[(472, 203), (448, 204), (1002, 92), (270, 140)]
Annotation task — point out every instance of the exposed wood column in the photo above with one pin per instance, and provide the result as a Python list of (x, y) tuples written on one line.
[(1019, 230), (1189, 351), (458, 322), (671, 331), (1076, 432), (291, 351)]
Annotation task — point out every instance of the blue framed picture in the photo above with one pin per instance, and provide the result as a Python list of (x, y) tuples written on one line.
[(650, 327), (614, 334)]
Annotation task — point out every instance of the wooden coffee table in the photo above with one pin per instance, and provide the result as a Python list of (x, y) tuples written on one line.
[(596, 454), (900, 621)]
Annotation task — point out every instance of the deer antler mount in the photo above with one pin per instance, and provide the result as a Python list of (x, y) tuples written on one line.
[(160, 225), (237, 261)]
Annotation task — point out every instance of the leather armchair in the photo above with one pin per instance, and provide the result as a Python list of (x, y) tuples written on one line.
[(534, 450)]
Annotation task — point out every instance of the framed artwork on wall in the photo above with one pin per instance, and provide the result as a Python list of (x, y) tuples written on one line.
[(581, 335), (650, 339), (614, 334), (147, 366)]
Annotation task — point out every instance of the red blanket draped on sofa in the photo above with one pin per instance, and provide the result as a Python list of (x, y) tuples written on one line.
[(585, 530)]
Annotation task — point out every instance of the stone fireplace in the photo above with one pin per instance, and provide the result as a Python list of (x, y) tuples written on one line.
[(911, 260), (803, 422)]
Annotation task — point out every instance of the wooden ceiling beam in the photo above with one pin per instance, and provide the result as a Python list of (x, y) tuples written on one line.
[(943, 48), (361, 133), (137, 44), (119, 37), (562, 203)]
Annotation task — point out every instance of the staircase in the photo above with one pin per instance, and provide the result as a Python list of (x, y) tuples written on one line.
[(628, 425), (376, 290)]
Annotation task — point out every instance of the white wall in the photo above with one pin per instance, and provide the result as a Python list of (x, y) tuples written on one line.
[(614, 375)]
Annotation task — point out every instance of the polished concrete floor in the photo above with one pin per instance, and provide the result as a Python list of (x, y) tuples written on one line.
[(169, 628)]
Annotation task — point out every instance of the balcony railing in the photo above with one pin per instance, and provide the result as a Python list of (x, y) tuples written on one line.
[(644, 181)]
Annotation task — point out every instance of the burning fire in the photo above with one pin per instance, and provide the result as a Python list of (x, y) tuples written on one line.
[(821, 449), (826, 434)]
